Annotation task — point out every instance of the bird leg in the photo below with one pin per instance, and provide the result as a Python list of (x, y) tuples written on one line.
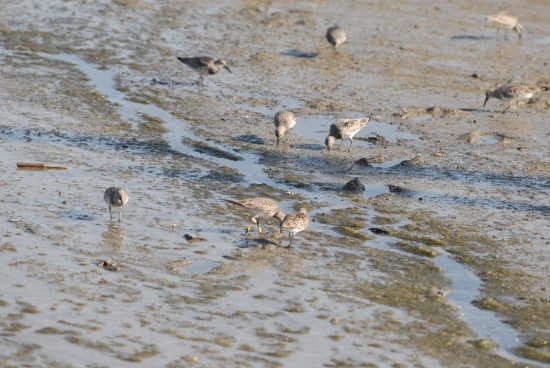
[(110, 213), (341, 143), (259, 228), (290, 242), (249, 226), (287, 140), (351, 145)]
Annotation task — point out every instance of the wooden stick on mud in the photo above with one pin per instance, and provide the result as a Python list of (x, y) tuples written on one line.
[(30, 165)]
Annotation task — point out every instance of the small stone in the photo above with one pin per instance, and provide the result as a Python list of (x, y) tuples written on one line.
[(193, 238), (378, 231), (110, 265), (435, 293)]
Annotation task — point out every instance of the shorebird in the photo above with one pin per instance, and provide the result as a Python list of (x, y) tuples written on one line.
[(260, 207), (283, 120), (516, 92), (204, 65), (294, 223), (506, 21), (115, 197), (344, 129), (336, 36)]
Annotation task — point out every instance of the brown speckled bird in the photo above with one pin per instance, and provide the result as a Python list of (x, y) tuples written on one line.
[(344, 129), (259, 207), (294, 223), (204, 65), (283, 120), (515, 92), (505, 21)]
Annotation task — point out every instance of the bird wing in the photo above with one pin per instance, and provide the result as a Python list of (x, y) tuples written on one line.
[(504, 19), (205, 61)]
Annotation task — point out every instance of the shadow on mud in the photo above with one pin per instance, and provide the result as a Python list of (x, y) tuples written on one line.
[(470, 38), (300, 54)]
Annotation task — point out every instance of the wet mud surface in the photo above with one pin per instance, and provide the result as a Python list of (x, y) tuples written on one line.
[(440, 258)]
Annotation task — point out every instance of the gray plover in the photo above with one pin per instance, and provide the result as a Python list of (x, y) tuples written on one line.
[(115, 197), (283, 120), (336, 36), (259, 207), (204, 65), (516, 92), (294, 223), (344, 129), (505, 21)]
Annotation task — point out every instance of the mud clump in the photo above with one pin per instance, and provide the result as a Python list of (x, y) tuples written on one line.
[(354, 186), (363, 162), (416, 161), (249, 138)]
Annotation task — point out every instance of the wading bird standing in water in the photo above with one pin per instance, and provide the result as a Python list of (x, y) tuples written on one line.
[(204, 65)]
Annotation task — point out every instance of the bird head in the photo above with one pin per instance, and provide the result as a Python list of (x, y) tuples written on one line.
[(329, 141), (279, 132), (487, 96), (221, 63), (519, 29)]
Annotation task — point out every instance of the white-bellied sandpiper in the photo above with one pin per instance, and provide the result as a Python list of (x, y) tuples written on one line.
[(516, 92), (336, 36), (344, 129), (283, 120), (505, 21), (294, 223), (259, 207), (115, 197)]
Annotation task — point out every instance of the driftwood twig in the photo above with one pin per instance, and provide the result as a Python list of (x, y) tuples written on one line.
[(36, 166)]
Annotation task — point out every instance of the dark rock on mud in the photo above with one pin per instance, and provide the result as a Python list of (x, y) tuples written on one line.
[(398, 189), (379, 231), (193, 238), (363, 162), (354, 186), (110, 265)]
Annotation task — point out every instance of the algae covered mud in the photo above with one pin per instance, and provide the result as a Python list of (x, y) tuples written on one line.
[(442, 261)]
